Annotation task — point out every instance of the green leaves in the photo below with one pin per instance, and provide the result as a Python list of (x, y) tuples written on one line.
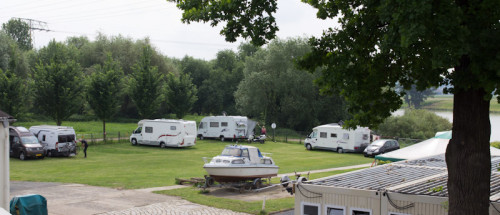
[(20, 32), (181, 94)]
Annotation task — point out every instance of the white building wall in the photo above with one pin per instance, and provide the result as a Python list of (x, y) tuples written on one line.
[(424, 205), (4, 166)]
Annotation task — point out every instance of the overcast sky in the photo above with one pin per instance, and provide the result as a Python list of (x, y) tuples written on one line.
[(157, 19)]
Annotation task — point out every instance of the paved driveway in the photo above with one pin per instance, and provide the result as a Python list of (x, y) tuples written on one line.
[(78, 199)]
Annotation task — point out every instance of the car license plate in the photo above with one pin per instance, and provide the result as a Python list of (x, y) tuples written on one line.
[(38, 155), (369, 153)]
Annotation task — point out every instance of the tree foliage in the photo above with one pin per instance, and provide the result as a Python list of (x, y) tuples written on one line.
[(14, 93), (294, 103), (58, 88), (198, 70), (103, 90), (416, 124), (414, 98), (20, 32), (181, 94), (381, 43), (145, 85)]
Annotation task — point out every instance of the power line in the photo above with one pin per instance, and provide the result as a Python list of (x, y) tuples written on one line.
[(36, 25)]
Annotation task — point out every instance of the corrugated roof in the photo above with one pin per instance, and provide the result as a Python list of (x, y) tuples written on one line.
[(406, 177)]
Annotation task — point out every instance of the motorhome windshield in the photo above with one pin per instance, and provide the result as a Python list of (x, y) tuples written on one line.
[(313, 134), (29, 140), (138, 130), (231, 152)]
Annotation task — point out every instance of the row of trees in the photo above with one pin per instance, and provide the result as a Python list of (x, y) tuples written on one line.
[(118, 77)]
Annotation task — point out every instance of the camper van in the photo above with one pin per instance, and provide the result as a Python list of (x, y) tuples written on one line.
[(57, 140), (165, 133), (334, 137), (24, 144), (225, 127)]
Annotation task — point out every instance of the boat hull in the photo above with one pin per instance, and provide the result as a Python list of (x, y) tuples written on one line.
[(240, 173)]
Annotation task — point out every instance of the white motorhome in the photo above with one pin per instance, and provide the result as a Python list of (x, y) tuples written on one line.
[(334, 137), (57, 140), (225, 127), (165, 133)]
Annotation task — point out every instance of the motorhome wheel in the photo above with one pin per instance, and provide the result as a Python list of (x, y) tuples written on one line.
[(261, 141), (49, 153), (340, 150), (21, 156), (162, 145), (308, 146), (134, 142), (201, 137), (222, 138)]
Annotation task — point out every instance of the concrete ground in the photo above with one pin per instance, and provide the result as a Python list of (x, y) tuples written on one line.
[(77, 199)]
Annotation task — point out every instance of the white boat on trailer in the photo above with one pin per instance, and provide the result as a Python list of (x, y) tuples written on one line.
[(239, 163)]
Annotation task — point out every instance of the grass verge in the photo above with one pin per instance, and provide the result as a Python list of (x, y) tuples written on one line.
[(127, 166), (195, 195)]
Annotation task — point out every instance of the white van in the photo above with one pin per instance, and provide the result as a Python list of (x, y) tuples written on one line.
[(334, 137), (57, 140), (226, 127), (165, 132)]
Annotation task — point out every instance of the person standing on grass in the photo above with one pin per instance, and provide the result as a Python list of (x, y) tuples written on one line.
[(85, 145)]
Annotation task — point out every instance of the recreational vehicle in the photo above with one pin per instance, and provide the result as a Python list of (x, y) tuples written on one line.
[(226, 127), (57, 140), (165, 133), (334, 137), (24, 144)]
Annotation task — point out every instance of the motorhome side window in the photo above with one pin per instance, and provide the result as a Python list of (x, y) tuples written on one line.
[(223, 124), (365, 136), (360, 212), (346, 136), (201, 125), (149, 129), (333, 135), (322, 134), (43, 139), (214, 124), (173, 128)]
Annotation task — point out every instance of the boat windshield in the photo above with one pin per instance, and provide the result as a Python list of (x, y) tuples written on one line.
[(29, 140), (231, 152)]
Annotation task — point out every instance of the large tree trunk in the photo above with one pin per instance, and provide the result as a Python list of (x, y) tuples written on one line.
[(468, 153)]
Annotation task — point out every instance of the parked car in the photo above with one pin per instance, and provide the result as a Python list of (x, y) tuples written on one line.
[(380, 147), (23, 144)]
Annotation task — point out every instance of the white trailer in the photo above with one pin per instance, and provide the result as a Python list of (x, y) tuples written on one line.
[(226, 127), (334, 137), (165, 133), (57, 140)]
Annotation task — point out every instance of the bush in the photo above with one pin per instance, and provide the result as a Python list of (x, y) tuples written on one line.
[(495, 144), (415, 124)]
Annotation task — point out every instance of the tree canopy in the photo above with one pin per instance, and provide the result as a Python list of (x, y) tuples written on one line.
[(20, 32), (383, 43)]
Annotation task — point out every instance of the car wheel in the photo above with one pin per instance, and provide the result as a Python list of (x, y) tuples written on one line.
[(222, 138), (201, 137), (21, 156), (340, 150), (134, 142), (162, 145), (309, 147), (262, 141)]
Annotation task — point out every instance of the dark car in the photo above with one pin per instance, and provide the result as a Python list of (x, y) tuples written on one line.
[(380, 147), (24, 144)]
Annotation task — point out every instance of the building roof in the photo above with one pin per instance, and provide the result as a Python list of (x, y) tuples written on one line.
[(5, 115), (425, 176)]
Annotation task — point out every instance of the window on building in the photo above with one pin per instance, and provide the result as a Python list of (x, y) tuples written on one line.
[(223, 124), (355, 211), (310, 209), (149, 129), (333, 135), (214, 124), (335, 210), (322, 134), (173, 128)]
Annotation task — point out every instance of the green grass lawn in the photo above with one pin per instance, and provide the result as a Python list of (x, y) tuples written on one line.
[(446, 103), (127, 166), (195, 195)]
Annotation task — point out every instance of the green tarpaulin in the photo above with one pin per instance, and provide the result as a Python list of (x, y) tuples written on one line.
[(28, 205)]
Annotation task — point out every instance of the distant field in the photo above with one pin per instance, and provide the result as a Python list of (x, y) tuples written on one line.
[(126, 166), (445, 102)]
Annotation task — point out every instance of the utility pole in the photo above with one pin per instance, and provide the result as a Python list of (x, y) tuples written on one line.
[(35, 25)]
